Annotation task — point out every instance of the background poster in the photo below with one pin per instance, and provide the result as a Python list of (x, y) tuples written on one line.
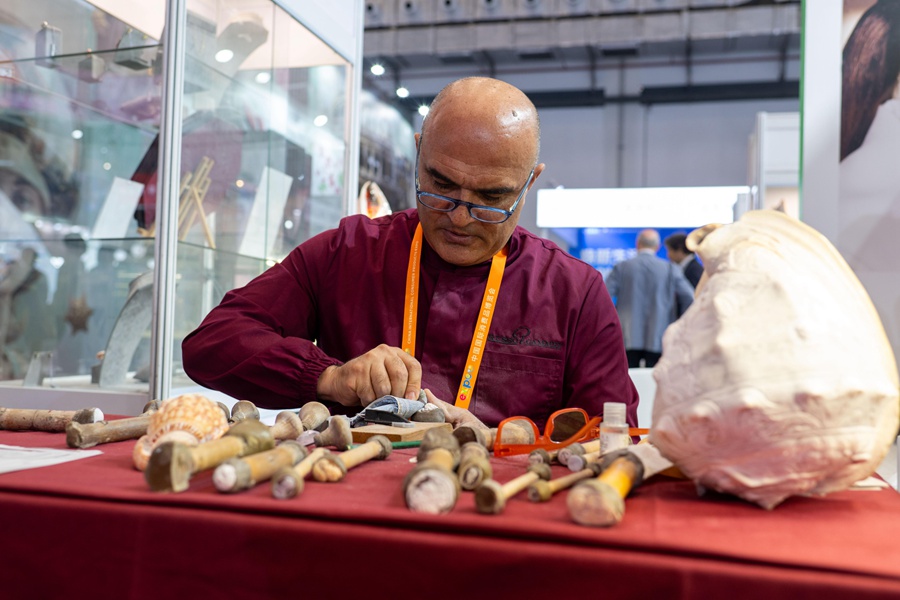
[(868, 207)]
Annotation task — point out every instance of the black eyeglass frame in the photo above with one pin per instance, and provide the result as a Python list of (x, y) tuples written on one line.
[(469, 206)]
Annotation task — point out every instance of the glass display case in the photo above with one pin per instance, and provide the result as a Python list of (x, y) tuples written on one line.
[(261, 159)]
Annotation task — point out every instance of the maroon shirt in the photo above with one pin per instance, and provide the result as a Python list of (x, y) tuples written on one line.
[(555, 339)]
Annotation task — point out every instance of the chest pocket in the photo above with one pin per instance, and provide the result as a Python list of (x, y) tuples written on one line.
[(516, 384)]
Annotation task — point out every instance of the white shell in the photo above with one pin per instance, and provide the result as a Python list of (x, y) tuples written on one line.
[(779, 379), (190, 419)]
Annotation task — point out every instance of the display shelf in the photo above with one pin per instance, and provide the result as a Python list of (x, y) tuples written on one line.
[(259, 161)]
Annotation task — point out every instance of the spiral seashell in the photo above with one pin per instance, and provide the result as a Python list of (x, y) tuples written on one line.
[(779, 379), (190, 419)]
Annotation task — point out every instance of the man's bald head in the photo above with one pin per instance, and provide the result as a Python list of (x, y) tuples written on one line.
[(648, 238), (491, 108)]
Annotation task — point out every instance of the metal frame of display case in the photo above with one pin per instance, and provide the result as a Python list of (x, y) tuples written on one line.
[(340, 28)]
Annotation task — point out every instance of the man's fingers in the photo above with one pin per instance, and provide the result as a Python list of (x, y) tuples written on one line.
[(413, 376), (398, 372), (379, 381)]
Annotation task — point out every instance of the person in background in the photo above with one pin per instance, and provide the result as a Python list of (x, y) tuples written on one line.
[(650, 293), (451, 297), (678, 253)]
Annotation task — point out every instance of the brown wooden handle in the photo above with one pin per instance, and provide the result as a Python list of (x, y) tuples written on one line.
[(360, 454), (263, 465), (211, 454), (80, 435), (237, 474), (29, 419), (514, 486)]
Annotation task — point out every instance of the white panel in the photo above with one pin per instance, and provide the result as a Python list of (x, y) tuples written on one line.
[(821, 116), (646, 389), (637, 207), (781, 148)]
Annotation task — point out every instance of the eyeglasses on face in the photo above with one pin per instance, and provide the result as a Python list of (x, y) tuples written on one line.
[(485, 214)]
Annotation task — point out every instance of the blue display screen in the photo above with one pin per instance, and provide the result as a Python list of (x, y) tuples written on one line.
[(604, 247)]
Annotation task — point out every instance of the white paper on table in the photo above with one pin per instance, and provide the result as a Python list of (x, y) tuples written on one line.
[(17, 458)]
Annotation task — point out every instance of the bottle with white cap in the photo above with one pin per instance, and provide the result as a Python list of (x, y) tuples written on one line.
[(613, 428)]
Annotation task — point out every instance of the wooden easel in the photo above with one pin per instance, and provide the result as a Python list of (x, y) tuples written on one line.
[(192, 192)]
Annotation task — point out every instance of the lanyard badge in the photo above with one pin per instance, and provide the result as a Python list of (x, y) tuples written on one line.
[(482, 326)]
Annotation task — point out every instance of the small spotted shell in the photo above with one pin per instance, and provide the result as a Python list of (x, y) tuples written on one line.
[(190, 419)]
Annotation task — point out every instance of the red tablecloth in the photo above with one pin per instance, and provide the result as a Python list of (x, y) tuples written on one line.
[(91, 528)]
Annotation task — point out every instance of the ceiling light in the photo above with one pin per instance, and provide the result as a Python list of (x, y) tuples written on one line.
[(402, 92), (377, 69), (423, 110), (224, 55), (320, 121), (263, 77), (77, 134)]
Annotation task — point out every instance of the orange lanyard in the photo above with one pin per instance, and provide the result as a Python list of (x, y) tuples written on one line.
[(482, 326)]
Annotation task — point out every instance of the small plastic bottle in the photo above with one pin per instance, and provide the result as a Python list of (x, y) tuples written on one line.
[(613, 428)]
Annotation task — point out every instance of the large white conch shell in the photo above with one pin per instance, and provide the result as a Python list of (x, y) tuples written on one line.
[(779, 379)]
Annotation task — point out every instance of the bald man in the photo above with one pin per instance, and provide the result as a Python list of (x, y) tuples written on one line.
[(451, 297), (650, 294)]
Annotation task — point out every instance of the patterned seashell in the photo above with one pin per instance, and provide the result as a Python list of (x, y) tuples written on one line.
[(779, 379), (190, 419)]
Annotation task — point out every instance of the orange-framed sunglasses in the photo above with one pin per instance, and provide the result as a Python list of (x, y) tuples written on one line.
[(564, 427)]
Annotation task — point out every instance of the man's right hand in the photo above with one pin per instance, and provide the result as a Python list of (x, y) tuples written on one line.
[(381, 371)]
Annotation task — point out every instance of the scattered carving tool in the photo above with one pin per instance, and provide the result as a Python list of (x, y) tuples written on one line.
[(374, 416), (577, 449), (87, 435), (601, 502), (238, 474), (542, 491), (491, 497), (432, 485), (474, 465), (29, 419), (288, 482), (171, 464), (333, 467), (244, 409)]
